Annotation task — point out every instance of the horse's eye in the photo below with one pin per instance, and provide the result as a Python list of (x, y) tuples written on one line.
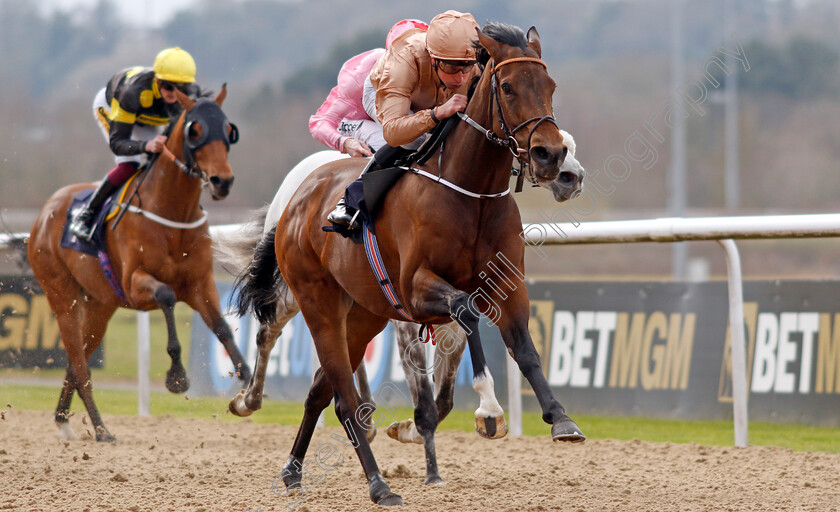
[(195, 131), (507, 88)]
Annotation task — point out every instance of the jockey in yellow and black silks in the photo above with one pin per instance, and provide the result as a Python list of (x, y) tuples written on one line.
[(132, 112)]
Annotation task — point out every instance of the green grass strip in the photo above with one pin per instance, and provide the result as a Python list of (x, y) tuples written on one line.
[(124, 402)]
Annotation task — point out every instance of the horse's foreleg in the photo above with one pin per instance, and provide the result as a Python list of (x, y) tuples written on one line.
[(222, 331), (436, 297), (514, 329), (204, 299), (146, 291), (176, 376)]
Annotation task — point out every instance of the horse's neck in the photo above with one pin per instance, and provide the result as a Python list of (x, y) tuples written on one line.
[(470, 160), (173, 194)]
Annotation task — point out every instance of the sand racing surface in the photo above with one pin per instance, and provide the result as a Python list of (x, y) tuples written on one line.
[(185, 464)]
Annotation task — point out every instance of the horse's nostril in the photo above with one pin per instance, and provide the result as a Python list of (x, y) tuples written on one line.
[(215, 181), (567, 178), (540, 154)]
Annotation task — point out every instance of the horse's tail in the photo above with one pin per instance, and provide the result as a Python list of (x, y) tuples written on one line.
[(16, 243), (234, 250), (260, 282)]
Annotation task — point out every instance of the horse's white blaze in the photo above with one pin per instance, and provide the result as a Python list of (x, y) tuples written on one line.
[(292, 182), (570, 164), (569, 141), (488, 405), (66, 432)]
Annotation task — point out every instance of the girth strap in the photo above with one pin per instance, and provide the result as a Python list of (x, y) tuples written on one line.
[(378, 267)]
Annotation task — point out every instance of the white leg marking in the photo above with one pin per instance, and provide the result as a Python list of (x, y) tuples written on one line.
[(66, 432), (488, 405), (239, 404)]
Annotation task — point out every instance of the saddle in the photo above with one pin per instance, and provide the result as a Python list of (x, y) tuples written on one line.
[(97, 241), (367, 193), (96, 246), (110, 209)]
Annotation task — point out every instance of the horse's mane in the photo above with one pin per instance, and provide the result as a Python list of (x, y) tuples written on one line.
[(504, 33)]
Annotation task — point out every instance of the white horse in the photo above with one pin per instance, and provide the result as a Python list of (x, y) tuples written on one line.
[(235, 250)]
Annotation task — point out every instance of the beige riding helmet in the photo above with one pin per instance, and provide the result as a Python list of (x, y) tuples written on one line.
[(451, 35)]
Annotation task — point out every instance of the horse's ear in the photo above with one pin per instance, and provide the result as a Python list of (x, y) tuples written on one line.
[(184, 100), (222, 95), (534, 41), (491, 45)]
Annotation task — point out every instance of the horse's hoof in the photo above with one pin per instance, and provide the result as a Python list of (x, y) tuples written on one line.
[(177, 381), (393, 431), (567, 430), (381, 494), (435, 480), (370, 435), (405, 432), (105, 437), (237, 406), (490, 427), (391, 500), (291, 473), (292, 484)]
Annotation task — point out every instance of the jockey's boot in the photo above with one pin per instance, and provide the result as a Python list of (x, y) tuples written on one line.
[(385, 157), (343, 215), (82, 225)]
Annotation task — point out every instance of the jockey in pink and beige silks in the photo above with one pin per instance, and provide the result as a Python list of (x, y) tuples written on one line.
[(342, 123), (421, 79), (132, 112)]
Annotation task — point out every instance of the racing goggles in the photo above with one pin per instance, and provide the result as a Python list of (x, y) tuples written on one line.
[(171, 86), (451, 67)]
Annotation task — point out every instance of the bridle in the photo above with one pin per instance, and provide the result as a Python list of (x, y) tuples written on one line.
[(509, 140), (214, 126)]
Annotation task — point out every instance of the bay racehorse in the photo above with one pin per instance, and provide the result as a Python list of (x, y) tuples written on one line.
[(234, 249), (445, 229), (159, 253), (451, 342)]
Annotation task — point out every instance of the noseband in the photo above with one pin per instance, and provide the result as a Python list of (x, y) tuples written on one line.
[(509, 141)]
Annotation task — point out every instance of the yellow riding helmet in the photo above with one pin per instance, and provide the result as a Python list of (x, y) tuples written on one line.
[(451, 35), (175, 65)]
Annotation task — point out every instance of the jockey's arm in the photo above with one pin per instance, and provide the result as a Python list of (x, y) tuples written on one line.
[(399, 125), (121, 142), (399, 78), (323, 125)]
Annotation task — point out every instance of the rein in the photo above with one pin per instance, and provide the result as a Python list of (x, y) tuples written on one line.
[(192, 171), (509, 140)]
